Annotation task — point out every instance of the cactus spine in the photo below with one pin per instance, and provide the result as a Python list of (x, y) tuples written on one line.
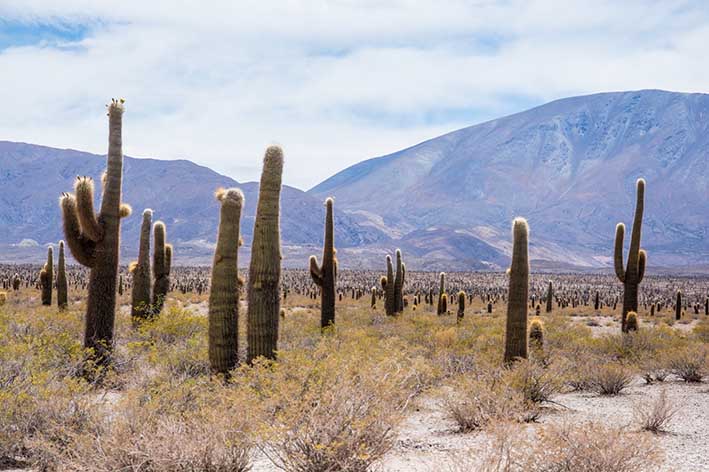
[(265, 267), (141, 292), (633, 274), (325, 275), (224, 292), (62, 284), (550, 297), (162, 262), (94, 239), (516, 329), (46, 278), (442, 301)]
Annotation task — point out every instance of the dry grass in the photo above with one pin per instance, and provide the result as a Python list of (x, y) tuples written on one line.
[(611, 379), (656, 416)]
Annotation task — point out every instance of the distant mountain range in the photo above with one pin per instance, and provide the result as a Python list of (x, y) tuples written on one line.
[(568, 166)]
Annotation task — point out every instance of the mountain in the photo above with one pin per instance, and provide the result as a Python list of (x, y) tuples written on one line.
[(180, 193), (568, 166)]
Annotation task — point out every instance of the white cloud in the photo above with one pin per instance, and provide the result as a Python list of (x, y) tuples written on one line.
[(334, 82)]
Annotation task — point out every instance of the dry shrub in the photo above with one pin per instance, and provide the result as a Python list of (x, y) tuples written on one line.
[(196, 426), (587, 447), (334, 408), (689, 364), (611, 378), (654, 417)]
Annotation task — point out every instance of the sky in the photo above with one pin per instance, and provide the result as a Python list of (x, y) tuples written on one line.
[(332, 81)]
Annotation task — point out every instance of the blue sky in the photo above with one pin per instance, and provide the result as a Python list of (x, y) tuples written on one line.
[(334, 82)]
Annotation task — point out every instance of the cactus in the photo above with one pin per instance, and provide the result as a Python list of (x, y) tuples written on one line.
[(94, 240), (399, 283), (16, 282), (62, 284), (550, 297), (706, 307), (536, 334), (325, 275), (373, 302), (141, 294), (678, 306), (632, 321), (443, 303), (46, 278), (516, 328), (634, 272), (388, 286), (461, 306), (442, 291), (596, 301), (224, 291), (265, 267), (3, 298), (120, 285), (162, 262)]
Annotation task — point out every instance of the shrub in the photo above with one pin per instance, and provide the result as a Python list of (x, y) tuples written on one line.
[(689, 364), (655, 416), (611, 379)]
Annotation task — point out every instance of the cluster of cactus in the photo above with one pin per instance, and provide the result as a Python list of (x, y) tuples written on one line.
[(94, 239), (393, 286), (150, 286), (46, 278), (264, 297), (516, 327), (633, 273), (325, 275)]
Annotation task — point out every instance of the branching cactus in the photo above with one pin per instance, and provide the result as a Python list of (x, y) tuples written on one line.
[(94, 239), (142, 291), (442, 308), (550, 297), (46, 278), (325, 275), (399, 283), (162, 262), (62, 283), (224, 292), (516, 329), (265, 267), (633, 273)]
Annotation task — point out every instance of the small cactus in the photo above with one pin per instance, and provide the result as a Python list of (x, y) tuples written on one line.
[(633, 273), (516, 328), (536, 334), (94, 239), (632, 321), (265, 267), (62, 283), (46, 278), (325, 275), (3, 298), (141, 294), (224, 291)]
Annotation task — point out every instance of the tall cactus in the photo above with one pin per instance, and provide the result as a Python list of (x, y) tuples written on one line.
[(46, 278), (142, 291), (634, 272), (389, 289), (94, 239), (224, 292), (399, 283), (265, 267), (442, 307), (550, 297), (162, 262), (325, 275), (461, 306), (62, 283), (678, 306), (516, 329)]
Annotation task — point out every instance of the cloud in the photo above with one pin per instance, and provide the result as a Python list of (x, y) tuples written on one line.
[(334, 81)]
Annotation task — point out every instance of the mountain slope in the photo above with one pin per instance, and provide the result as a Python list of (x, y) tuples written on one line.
[(181, 193), (568, 166)]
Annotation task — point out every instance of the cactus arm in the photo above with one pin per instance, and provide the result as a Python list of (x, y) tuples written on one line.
[(638, 220), (315, 271), (168, 258), (82, 248), (90, 226), (642, 262), (618, 253)]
